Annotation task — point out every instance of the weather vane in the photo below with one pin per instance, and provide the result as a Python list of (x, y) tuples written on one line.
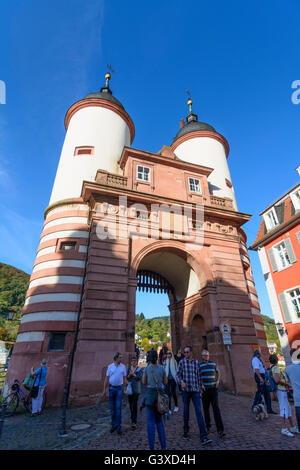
[(189, 101), (108, 75)]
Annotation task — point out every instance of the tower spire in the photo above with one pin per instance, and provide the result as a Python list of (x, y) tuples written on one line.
[(191, 117), (106, 88)]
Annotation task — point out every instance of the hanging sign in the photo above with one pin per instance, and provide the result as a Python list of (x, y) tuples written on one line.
[(225, 329)]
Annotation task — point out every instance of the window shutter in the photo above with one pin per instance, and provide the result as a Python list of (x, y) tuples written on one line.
[(280, 212), (285, 308), (290, 251), (298, 236), (272, 260)]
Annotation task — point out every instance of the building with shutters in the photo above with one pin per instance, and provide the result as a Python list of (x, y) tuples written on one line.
[(278, 247)]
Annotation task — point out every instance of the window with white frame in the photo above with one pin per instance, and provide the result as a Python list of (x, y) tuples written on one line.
[(282, 256), (295, 197), (195, 185), (294, 301), (271, 219), (143, 173)]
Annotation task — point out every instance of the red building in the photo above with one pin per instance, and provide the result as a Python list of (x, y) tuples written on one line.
[(278, 247)]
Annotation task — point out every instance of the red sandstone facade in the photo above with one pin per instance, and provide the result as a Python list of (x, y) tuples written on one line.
[(83, 287)]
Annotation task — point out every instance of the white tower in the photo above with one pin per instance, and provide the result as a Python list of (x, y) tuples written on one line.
[(199, 143), (98, 128)]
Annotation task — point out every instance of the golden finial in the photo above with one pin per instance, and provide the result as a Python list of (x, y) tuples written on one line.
[(189, 103)]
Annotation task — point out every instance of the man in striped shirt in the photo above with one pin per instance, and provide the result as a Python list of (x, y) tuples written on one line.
[(189, 377), (210, 377)]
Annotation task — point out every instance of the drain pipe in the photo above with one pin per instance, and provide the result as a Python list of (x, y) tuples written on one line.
[(62, 431)]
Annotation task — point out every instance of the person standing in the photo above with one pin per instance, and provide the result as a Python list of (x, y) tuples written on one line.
[(40, 381), (116, 379), (281, 392), (171, 373), (134, 376), (188, 374), (178, 356), (154, 377), (210, 376), (293, 375), (260, 379), (163, 353)]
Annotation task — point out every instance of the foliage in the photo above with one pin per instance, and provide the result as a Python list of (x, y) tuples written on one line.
[(13, 287), (154, 328), (271, 331)]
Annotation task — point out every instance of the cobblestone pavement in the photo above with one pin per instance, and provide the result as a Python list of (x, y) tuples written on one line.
[(242, 431)]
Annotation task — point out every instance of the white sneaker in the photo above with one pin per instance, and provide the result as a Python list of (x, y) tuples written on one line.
[(295, 430), (286, 432), (176, 409), (170, 412)]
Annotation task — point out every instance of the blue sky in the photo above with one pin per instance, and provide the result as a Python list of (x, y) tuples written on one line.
[(238, 59)]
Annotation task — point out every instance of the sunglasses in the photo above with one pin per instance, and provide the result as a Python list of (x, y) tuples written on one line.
[(186, 352)]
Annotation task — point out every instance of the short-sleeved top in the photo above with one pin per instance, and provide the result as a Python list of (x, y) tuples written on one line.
[(40, 376), (257, 364), (209, 374), (116, 374), (277, 370), (158, 371), (293, 374)]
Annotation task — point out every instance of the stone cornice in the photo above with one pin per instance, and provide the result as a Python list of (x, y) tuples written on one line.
[(98, 102), (204, 133)]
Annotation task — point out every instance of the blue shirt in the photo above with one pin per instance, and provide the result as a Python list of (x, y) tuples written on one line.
[(293, 374), (41, 375)]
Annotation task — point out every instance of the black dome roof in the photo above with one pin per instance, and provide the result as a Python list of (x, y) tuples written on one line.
[(193, 126), (105, 94)]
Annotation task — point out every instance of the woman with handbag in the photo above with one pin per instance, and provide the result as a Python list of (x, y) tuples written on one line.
[(171, 373), (154, 378), (134, 376), (37, 390)]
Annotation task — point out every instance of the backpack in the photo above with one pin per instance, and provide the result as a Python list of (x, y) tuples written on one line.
[(273, 385)]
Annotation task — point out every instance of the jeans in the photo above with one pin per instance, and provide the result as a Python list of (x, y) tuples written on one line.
[(297, 410), (195, 396), (210, 397), (133, 403), (171, 391), (155, 418), (262, 390), (115, 402)]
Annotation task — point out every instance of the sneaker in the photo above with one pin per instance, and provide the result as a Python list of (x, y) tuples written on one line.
[(205, 441), (295, 430), (272, 412), (113, 428), (185, 435), (176, 409), (119, 432), (133, 426), (286, 432), (221, 433)]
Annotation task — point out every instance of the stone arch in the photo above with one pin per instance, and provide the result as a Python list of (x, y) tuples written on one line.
[(199, 265)]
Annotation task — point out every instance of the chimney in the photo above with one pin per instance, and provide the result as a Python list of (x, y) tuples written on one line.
[(182, 124)]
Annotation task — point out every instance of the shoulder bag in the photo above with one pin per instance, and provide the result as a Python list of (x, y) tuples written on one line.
[(162, 404)]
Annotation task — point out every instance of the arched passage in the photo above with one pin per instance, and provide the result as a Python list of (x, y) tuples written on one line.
[(186, 278)]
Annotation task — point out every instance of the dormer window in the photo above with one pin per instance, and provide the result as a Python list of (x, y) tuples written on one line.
[(195, 185), (143, 173), (295, 197), (271, 219)]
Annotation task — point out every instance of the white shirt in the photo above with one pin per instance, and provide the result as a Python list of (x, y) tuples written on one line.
[(116, 374), (257, 364)]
